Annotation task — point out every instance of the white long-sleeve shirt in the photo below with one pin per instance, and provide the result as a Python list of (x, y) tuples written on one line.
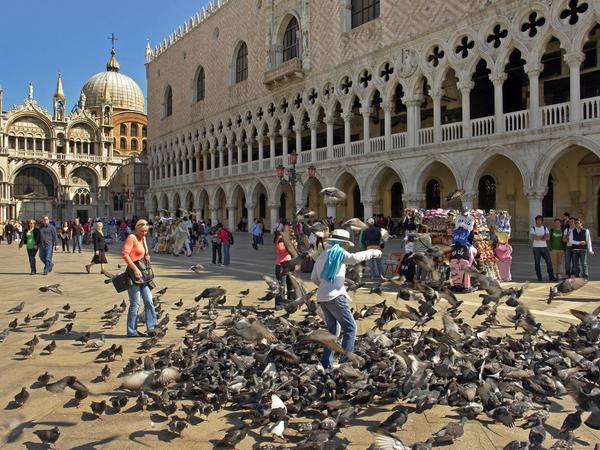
[(329, 291), (588, 240)]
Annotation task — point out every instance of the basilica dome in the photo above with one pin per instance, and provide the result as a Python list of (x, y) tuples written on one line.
[(113, 88)]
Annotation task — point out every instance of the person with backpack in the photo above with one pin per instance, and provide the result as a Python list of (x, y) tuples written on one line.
[(540, 235), (227, 241), (217, 245), (581, 245)]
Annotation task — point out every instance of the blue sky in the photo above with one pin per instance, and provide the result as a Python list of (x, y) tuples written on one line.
[(43, 37)]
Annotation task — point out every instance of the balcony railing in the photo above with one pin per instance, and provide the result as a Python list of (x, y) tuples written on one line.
[(38, 154), (286, 71), (513, 122)]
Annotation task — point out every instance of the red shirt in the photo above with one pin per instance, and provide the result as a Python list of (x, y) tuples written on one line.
[(281, 252), (134, 248), (223, 235)]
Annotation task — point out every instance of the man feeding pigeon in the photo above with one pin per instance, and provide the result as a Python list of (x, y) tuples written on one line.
[(329, 274)]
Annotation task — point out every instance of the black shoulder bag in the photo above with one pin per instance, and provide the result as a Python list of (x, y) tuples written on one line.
[(144, 267)]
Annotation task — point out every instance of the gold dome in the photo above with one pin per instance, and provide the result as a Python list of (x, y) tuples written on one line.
[(114, 88)]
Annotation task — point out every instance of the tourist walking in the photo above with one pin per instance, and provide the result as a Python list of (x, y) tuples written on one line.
[(9, 230), (76, 235), (65, 236), (540, 235), (570, 226), (47, 244), (135, 254), (100, 248), (581, 244), (371, 240), (181, 235), (329, 274), (282, 254), (227, 241), (217, 245), (256, 230), (30, 239), (557, 248)]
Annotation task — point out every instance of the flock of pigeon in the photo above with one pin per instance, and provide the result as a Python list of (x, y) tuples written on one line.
[(263, 365)]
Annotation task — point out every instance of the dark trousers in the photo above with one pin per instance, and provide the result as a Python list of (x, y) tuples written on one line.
[(9, 238), (65, 244), (217, 255), (538, 253), (580, 266), (286, 289), (31, 252), (569, 261)]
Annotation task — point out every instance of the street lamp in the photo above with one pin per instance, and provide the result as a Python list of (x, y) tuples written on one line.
[(292, 177)]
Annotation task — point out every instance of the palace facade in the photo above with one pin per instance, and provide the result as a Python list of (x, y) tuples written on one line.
[(86, 163), (396, 102)]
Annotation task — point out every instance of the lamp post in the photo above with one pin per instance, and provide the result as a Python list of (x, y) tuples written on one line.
[(292, 178)]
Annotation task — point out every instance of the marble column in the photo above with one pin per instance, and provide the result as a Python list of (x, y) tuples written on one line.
[(533, 72), (366, 115), (498, 80), (261, 151), (436, 96), (329, 121), (387, 107), (465, 88), (331, 206), (298, 129), (347, 116), (272, 150), (368, 205), (231, 219), (574, 61), (213, 216), (250, 208), (313, 140), (274, 208), (413, 117), (535, 204), (284, 136)]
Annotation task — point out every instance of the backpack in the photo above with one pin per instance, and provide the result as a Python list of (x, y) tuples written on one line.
[(230, 235)]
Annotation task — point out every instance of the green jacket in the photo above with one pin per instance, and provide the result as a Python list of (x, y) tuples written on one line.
[(556, 239)]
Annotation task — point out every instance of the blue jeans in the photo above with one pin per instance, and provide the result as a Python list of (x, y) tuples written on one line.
[(77, 242), (226, 254), (379, 263), (338, 315), (580, 266), (46, 251), (136, 293), (538, 253), (568, 261)]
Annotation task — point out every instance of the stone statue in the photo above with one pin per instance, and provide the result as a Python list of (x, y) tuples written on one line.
[(81, 101), (305, 49), (30, 91)]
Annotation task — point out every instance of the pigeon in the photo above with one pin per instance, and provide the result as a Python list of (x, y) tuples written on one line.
[(211, 293), (450, 433), (84, 338), (395, 420), (45, 378), (98, 408), (65, 330), (388, 442), (51, 288), (105, 373), (48, 437), (306, 213), (179, 303), (40, 314), (275, 430), (119, 402), (26, 351), (17, 309), (68, 381), (197, 268), (537, 434), (458, 193), (50, 348), (176, 426), (253, 332), (96, 343), (233, 436), (355, 224), (566, 286), (12, 325), (333, 193), (66, 307), (162, 291), (21, 397), (571, 422)]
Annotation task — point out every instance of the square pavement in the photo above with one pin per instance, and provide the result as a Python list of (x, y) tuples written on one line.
[(90, 296)]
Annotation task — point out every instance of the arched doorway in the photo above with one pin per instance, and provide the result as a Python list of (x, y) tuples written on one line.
[(487, 193), (84, 178), (388, 190), (282, 205), (396, 202), (433, 196), (548, 200), (353, 206), (357, 206), (313, 198), (36, 192), (436, 180)]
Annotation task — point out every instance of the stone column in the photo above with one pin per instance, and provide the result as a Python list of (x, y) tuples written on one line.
[(413, 117), (250, 208), (368, 207), (229, 158), (366, 114), (574, 61), (298, 129), (272, 150), (240, 149), (533, 72), (329, 122), (498, 82), (412, 199), (313, 140), (436, 96), (465, 90), (535, 198), (231, 217), (249, 142), (468, 199), (347, 132), (204, 161), (261, 150), (284, 136), (213, 215), (387, 124), (331, 206), (274, 216), (212, 161)]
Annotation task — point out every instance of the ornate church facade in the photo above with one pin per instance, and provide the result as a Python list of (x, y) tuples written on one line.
[(395, 102), (86, 163)]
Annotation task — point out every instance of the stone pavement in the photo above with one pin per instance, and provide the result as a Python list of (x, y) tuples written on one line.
[(90, 296)]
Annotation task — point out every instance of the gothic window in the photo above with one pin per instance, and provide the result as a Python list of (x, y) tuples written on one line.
[(290, 40), (123, 144), (241, 63), (487, 193), (11, 142), (123, 129), (548, 200), (143, 144), (104, 173), (134, 129), (432, 194), (144, 131), (200, 85), (117, 202), (134, 145), (81, 197), (364, 11), (63, 171), (168, 103)]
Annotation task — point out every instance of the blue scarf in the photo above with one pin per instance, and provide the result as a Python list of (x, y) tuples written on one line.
[(335, 258)]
